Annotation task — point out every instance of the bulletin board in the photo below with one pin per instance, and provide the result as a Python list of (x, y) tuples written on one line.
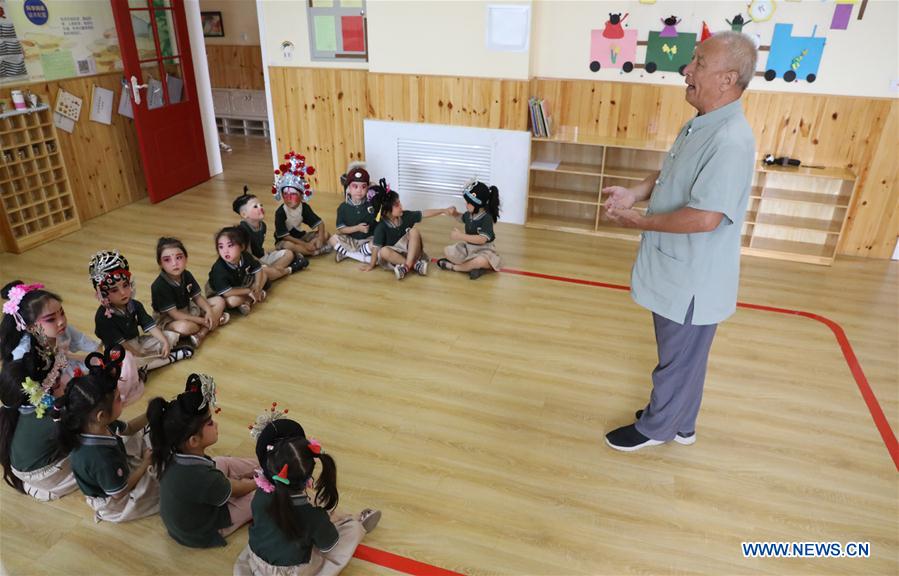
[(61, 39)]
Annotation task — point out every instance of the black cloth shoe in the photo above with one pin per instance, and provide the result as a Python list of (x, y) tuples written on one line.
[(476, 273), (680, 438), (628, 439), (298, 263)]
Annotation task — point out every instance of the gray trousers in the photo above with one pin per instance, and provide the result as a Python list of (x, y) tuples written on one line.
[(678, 379)]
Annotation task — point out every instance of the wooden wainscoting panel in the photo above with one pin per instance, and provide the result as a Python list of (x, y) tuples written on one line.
[(232, 66)]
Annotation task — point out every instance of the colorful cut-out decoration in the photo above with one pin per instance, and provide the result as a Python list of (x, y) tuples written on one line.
[(841, 15), (613, 27), (761, 10), (670, 29), (669, 54), (793, 57), (613, 52), (737, 24), (706, 33)]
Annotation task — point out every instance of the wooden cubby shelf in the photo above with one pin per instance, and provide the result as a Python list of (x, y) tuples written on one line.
[(796, 214), (36, 202)]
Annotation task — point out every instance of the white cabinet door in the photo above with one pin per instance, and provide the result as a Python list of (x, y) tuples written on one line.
[(242, 103), (221, 101), (258, 104)]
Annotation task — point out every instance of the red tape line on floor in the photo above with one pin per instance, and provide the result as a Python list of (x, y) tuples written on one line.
[(409, 566), (400, 563)]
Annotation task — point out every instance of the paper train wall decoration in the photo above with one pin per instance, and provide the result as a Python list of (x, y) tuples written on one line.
[(614, 47)]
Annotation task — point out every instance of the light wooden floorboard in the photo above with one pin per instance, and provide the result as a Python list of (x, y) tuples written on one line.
[(473, 413)]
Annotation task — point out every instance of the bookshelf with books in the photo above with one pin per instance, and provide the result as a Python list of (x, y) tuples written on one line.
[(796, 214)]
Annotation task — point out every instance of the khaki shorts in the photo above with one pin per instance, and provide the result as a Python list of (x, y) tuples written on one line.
[(307, 237), (163, 319), (463, 252), (271, 257)]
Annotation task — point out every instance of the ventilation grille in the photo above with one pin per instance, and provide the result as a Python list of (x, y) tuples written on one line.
[(439, 168)]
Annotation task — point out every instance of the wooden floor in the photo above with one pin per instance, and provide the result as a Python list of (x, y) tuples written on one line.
[(473, 413)]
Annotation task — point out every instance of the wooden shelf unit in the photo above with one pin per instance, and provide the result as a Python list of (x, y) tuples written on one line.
[(36, 202), (568, 174), (795, 214)]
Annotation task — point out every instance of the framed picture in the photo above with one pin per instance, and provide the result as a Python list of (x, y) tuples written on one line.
[(212, 24)]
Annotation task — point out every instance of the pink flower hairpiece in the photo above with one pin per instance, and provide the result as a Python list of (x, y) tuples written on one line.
[(314, 446), (11, 306)]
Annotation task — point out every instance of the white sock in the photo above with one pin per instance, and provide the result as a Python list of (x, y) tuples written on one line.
[(358, 255)]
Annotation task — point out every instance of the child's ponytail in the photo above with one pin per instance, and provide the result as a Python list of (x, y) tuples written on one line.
[(11, 394), (493, 203), (326, 494), (162, 449), (382, 198)]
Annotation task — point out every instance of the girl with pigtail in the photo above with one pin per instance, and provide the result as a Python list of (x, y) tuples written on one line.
[(397, 243), (33, 374), (473, 251), (295, 533), (112, 473), (202, 499)]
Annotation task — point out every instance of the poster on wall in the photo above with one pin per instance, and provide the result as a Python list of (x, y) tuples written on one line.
[(63, 39), (12, 57)]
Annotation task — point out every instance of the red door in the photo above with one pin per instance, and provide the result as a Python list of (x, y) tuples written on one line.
[(158, 67)]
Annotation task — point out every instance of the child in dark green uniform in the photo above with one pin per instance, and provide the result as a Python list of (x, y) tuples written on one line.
[(114, 478), (119, 316), (202, 499), (32, 458), (397, 243), (293, 189), (236, 276), (178, 299), (280, 262), (355, 217), (292, 531), (473, 251)]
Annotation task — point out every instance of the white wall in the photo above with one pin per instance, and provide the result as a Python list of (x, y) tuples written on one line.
[(439, 37), (860, 61), (447, 38), (239, 20), (286, 20)]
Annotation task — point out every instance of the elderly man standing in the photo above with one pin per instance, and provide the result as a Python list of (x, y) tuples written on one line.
[(688, 265)]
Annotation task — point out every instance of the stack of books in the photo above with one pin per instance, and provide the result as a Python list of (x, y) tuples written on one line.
[(541, 123)]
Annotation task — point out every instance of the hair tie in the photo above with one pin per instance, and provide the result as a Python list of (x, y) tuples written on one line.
[(314, 446), (263, 482), (282, 476)]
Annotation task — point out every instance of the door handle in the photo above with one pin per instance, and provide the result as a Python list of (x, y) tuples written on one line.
[(136, 88)]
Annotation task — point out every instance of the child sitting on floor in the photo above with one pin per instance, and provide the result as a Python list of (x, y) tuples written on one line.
[(236, 276), (294, 532), (293, 189), (473, 251), (113, 474), (397, 242), (355, 217), (178, 300), (202, 499), (119, 316), (281, 262)]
